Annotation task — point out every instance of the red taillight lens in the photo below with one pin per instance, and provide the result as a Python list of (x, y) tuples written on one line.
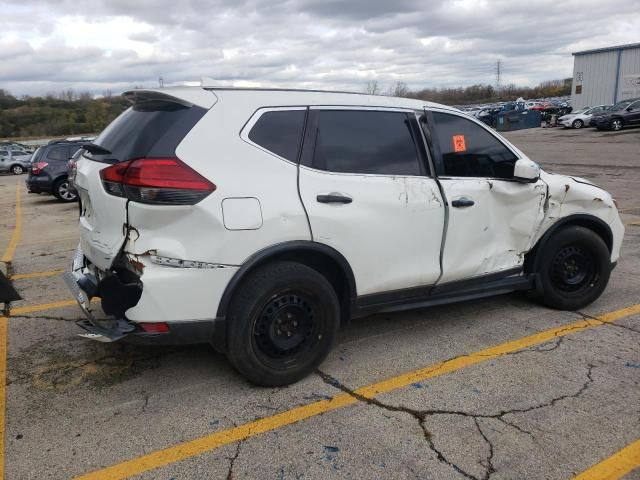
[(37, 167), (167, 181), (155, 327)]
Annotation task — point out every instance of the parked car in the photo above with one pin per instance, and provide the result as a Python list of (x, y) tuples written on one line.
[(582, 117), (14, 163), (261, 220), (16, 148), (48, 173), (624, 113)]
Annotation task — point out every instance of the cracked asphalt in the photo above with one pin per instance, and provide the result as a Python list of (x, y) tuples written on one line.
[(549, 410)]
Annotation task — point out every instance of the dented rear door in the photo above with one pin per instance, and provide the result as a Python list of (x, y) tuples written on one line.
[(370, 196)]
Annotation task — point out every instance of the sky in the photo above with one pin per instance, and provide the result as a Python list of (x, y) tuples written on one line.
[(114, 45)]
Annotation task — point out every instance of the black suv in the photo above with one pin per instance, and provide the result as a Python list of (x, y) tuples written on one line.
[(623, 113), (48, 172)]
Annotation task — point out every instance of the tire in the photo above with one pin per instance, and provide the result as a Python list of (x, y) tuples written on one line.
[(17, 169), (577, 124), (617, 124), (62, 192), (574, 268), (281, 323)]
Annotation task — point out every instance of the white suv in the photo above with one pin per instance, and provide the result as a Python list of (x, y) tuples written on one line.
[(261, 220)]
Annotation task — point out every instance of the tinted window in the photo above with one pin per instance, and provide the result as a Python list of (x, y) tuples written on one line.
[(365, 142), (468, 150), (280, 132), (148, 128), (59, 153)]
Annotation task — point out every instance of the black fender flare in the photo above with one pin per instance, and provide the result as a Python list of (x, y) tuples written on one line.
[(280, 249), (592, 222)]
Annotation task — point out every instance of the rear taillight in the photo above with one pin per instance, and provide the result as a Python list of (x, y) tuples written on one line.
[(159, 327), (37, 167), (166, 181)]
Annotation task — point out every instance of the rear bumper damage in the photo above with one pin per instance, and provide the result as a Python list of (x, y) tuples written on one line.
[(120, 291)]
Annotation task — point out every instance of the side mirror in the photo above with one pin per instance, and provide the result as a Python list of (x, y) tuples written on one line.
[(526, 171), (630, 109)]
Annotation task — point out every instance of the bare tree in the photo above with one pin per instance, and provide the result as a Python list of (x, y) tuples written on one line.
[(372, 87), (399, 89)]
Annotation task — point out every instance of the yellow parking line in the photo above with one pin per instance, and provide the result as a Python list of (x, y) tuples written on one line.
[(616, 466), (628, 209), (634, 224), (17, 231), (7, 257), (215, 440), (22, 276), (40, 307)]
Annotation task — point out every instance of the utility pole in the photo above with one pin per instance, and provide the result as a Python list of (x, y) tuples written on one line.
[(499, 67), (161, 82)]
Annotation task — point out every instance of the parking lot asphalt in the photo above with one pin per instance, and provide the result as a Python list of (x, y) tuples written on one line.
[(495, 388)]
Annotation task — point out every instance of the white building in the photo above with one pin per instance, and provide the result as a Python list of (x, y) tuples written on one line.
[(605, 75)]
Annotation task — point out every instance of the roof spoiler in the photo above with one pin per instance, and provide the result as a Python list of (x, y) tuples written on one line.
[(184, 96)]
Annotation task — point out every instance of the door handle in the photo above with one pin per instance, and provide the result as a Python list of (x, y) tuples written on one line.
[(334, 198), (462, 203)]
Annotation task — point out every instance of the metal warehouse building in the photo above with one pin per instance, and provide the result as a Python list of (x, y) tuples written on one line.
[(605, 75)]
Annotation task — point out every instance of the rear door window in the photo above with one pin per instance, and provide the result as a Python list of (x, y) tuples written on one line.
[(280, 132), (364, 141), (469, 150)]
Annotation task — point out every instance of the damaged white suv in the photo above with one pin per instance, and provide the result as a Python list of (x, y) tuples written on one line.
[(261, 220)]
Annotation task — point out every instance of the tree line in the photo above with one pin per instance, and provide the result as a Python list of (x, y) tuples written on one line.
[(473, 94), (63, 114)]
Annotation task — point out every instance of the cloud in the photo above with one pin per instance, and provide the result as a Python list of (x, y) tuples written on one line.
[(117, 44)]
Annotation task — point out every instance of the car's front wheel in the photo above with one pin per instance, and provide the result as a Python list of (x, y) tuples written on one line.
[(63, 192), (281, 323), (574, 268), (616, 124), (577, 124)]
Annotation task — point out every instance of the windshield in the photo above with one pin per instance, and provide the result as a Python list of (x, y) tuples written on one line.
[(582, 110), (622, 105)]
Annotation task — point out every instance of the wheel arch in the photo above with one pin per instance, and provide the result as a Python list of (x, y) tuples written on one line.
[(591, 222), (322, 258)]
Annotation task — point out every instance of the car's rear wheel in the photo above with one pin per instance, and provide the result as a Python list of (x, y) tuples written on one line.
[(17, 169), (281, 323), (577, 124), (617, 124), (574, 268), (63, 192)]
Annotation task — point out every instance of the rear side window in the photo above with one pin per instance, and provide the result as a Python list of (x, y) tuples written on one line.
[(280, 132), (468, 150), (363, 141), (150, 128), (59, 153)]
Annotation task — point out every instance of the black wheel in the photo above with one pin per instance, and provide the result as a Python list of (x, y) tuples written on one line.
[(17, 169), (574, 268), (617, 124), (281, 323), (577, 124), (63, 192)]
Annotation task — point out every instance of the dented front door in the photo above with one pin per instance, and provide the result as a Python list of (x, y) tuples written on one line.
[(492, 219)]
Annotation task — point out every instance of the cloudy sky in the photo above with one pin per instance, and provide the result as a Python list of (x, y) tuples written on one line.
[(96, 45)]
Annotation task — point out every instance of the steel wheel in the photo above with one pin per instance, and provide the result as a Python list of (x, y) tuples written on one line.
[(573, 270), (17, 169)]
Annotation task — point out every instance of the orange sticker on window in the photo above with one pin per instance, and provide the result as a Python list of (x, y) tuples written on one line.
[(458, 143)]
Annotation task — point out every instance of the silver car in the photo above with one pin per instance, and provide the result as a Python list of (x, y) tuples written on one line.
[(15, 164)]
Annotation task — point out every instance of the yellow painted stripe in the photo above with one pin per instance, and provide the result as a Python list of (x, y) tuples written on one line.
[(17, 231), (633, 224), (616, 466), (218, 439), (628, 209), (41, 307), (22, 276)]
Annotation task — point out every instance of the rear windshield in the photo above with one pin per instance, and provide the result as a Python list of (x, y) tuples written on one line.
[(147, 129)]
